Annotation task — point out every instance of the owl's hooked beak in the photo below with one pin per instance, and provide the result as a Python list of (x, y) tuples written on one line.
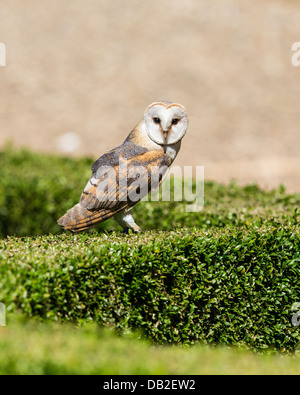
[(165, 133), (165, 136)]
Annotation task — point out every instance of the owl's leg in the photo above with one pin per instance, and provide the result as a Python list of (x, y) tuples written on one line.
[(127, 222)]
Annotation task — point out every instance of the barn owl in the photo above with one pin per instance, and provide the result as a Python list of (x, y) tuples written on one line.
[(123, 176)]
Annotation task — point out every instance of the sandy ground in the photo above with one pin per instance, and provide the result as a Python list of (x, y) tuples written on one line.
[(80, 73)]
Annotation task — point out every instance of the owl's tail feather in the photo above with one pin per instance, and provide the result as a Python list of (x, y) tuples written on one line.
[(78, 218)]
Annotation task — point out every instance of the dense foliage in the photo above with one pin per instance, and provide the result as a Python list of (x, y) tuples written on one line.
[(229, 274), (233, 287)]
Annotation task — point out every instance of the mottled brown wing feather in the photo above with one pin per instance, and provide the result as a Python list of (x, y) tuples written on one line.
[(78, 218), (115, 185), (103, 197)]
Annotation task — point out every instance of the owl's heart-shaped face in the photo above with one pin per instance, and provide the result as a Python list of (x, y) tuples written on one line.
[(166, 123)]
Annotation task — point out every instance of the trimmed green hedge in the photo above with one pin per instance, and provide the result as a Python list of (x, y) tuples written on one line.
[(231, 287), (228, 274)]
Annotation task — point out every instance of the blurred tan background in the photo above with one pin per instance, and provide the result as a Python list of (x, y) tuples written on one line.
[(79, 74)]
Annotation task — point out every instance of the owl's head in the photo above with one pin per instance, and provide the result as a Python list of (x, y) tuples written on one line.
[(166, 123)]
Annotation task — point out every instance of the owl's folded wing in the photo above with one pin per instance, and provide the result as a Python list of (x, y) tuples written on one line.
[(125, 182), (120, 179)]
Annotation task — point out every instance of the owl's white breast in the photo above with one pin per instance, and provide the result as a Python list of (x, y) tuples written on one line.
[(172, 150)]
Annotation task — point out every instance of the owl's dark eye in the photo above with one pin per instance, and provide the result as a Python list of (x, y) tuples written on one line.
[(175, 121), (156, 120)]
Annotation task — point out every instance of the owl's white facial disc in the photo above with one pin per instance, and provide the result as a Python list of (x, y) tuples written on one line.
[(166, 123)]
